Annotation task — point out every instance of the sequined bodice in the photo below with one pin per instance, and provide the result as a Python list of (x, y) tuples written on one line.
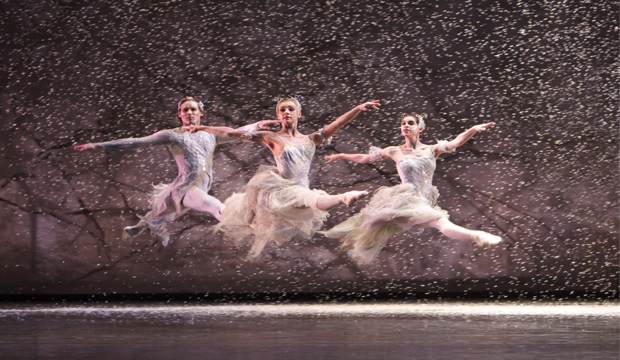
[(417, 171), (294, 162)]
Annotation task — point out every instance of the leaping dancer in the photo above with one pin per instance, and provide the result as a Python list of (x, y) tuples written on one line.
[(193, 154), (278, 204), (412, 203)]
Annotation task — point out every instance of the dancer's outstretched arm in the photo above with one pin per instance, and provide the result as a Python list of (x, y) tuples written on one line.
[(341, 121), (462, 138), (358, 158), (159, 138), (259, 125), (239, 133), (250, 128), (217, 130), (375, 154)]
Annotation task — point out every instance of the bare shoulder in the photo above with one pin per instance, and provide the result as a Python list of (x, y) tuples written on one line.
[(425, 147), (392, 149)]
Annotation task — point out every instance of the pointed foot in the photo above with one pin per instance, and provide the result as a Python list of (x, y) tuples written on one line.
[(351, 197), (131, 232), (484, 238)]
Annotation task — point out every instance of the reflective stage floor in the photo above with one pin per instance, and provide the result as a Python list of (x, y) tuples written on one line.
[(384, 330)]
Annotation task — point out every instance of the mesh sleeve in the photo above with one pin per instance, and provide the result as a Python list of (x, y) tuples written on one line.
[(159, 138), (322, 137), (442, 146), (375, 153), (248, 136)]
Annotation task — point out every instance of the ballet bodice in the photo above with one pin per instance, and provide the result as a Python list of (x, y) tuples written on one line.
[(417, 171), (294, 162)]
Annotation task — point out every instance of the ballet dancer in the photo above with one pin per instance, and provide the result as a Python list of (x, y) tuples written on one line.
[(193, 154), (278, 204), (412, 203)]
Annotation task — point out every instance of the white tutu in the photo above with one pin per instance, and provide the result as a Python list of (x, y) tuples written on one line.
[(390, 211), (271, 209)]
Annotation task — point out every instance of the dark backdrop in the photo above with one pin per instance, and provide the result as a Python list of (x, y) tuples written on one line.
[(545, 178)]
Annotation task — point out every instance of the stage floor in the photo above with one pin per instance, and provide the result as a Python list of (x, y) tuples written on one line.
[(383, 330)]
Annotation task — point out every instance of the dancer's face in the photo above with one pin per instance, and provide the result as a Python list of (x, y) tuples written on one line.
[(287, 112), (409, 126), (190, 113)]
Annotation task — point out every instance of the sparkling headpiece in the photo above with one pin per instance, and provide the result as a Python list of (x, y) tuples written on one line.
[(419, 117), (201, 106), (294, 98)]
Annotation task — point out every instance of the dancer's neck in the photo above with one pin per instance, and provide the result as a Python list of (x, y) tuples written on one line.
[(412, 142), (289, 130)]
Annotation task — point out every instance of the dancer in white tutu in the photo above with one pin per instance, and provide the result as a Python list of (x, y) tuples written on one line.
[(194, 156), (277, 204), (412, 203)]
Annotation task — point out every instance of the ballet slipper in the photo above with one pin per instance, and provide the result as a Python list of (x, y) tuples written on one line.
[(351, 197), (484, 238), (131, 232)]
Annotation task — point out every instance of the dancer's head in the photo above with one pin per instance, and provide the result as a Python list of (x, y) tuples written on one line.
[(288, 110), (190, 111), (412, 124)]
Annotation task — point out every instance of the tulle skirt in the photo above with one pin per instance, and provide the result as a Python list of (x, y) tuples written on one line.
[(166, 206), (271, 209), (390, 211)]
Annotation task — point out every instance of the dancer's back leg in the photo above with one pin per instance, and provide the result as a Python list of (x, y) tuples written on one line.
[(198, 199), (454, 231)]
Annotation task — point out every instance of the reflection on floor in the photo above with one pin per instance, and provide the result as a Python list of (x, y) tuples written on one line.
[(385, 330)]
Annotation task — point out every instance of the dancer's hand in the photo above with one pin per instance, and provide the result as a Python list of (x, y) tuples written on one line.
[(192, 128), (86, 146), (483, 127), (369, 105), (331, 158), (267, 124)]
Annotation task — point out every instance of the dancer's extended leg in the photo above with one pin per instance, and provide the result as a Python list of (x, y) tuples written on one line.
[(199, 200), (131, 232), (460, 233), (349, 198), (157, 224)]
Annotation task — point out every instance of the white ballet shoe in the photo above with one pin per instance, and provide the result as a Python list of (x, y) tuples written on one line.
[(131, 232), (165, 239), (351, 197), (484, 238)]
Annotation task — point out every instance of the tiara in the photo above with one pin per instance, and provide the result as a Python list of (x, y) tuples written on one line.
[(201, 106), (277, 99)]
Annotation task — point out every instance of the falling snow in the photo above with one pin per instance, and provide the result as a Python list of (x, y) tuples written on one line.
[(545, 178)]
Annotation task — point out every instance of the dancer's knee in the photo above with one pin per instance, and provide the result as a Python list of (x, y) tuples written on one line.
[(199, 200), (437, 223)]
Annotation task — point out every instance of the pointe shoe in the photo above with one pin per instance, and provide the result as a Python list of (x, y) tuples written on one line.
[(131, 232), (484, 238), (351, 197)]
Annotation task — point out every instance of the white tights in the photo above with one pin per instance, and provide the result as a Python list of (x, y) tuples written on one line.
[(324, 202), (451, 230), (199, 200)]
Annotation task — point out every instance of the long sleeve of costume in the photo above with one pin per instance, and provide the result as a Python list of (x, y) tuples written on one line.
[(159, 138)]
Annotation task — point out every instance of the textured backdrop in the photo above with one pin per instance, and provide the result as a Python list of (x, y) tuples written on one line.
[(545, 178)]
